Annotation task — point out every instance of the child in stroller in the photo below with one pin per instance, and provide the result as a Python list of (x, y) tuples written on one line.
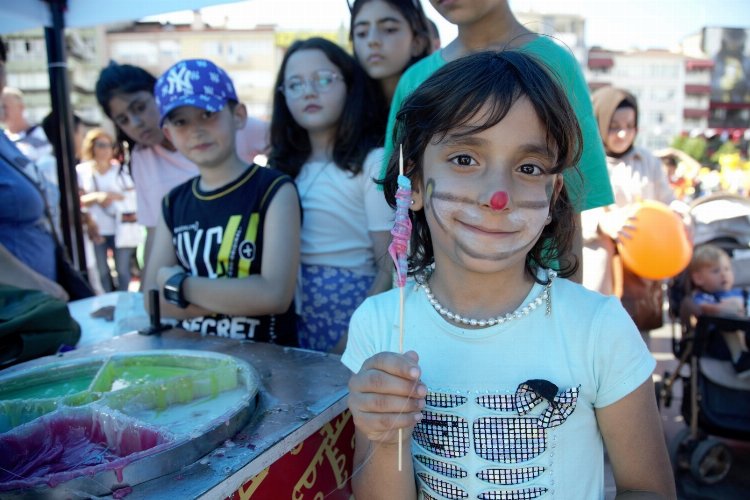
[(715, 400), (713, 292)]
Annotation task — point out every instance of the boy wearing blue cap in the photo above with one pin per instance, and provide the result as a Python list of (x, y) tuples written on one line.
[(226, 249)]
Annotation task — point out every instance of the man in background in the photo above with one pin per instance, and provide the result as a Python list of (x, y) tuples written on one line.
[(29, 139)]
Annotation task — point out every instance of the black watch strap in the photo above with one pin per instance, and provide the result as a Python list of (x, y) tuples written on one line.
[(173, 290)]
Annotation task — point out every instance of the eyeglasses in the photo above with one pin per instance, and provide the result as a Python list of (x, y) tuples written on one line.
[(103, 145), (321, 82)]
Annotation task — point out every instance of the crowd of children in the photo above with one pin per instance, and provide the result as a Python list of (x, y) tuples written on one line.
[(515, 378)]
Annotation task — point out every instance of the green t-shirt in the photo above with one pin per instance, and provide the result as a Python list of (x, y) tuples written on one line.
[(595, 190)]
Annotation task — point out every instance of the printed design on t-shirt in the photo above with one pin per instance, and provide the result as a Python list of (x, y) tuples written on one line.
[(510, 430), (233, 327), (218, 252), (446, 489), (510, 476), (525, 494), (441, 400), (444, 468)]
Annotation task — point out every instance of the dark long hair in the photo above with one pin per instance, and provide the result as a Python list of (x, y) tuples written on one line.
[(450, 99), (117, 79), (420, 28), (357, 131)]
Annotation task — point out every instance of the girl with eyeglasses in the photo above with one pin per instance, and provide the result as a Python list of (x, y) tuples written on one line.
[(324, 133), (107, 192), (388, 36)]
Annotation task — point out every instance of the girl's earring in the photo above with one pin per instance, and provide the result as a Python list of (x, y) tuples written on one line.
[(412, 202), (549, 219)]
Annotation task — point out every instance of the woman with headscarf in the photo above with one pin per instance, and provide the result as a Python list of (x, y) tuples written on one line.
[(636, 175)]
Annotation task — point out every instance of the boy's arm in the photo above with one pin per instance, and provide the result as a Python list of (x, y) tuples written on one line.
[(632, 433), (162, 264), (271, 291)]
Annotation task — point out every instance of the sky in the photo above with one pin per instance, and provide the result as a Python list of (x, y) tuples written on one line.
[(612, 24)]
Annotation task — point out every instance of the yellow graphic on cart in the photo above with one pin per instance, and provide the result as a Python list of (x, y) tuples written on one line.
[(329, 451)]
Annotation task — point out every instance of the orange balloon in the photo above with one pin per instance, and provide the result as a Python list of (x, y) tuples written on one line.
[(659, 247)]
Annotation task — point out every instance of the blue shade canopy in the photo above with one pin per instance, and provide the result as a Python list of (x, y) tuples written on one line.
[(19, 15)]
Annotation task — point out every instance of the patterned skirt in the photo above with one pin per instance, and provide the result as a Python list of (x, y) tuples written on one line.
[(327, 299)]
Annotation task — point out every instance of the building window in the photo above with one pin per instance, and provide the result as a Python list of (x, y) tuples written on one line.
[(26, 50)]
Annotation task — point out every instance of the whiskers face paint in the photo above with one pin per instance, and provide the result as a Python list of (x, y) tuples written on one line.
[(499, 200)]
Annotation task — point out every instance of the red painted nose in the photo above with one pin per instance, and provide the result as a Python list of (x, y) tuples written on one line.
[(499, 200)]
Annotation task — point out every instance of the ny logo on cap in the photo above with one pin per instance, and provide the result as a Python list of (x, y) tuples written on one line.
[(179, 81)]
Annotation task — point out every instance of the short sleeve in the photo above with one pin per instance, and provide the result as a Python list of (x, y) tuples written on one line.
[(398, 99), (597, 190), (702, 298), (83, 176), (359, 344), (409, 81), (275, 183), (622, 361), (379, 214), (166, 210), (147, 205)]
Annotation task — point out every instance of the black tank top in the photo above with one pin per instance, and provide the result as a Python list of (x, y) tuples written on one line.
[(219, 234)]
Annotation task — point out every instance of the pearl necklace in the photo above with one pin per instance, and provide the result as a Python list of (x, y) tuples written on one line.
[(544, 296)]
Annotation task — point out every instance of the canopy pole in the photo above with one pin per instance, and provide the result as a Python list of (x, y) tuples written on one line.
[(70, 212)]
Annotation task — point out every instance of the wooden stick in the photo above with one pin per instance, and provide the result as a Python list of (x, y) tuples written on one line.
[(401, 319)]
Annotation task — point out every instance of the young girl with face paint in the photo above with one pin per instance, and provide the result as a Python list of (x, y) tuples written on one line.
[(491, 25), (324, 136), (514, 379)]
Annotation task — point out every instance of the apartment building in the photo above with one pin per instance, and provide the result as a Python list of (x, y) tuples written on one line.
[(673, 90)]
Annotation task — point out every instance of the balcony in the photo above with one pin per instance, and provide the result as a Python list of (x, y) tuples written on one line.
[(696, 89), (698, 64), (694, 113)]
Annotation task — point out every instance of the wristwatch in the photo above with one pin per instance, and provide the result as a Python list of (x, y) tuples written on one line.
[(173, 290)]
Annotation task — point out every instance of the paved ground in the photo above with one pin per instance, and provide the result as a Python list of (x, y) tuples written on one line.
[(737, 483)]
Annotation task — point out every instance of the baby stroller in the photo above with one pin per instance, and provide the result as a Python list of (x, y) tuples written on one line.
[(714, 401)]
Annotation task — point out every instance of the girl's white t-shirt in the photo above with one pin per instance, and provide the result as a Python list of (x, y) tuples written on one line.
[(339, 212), (484, 431)]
